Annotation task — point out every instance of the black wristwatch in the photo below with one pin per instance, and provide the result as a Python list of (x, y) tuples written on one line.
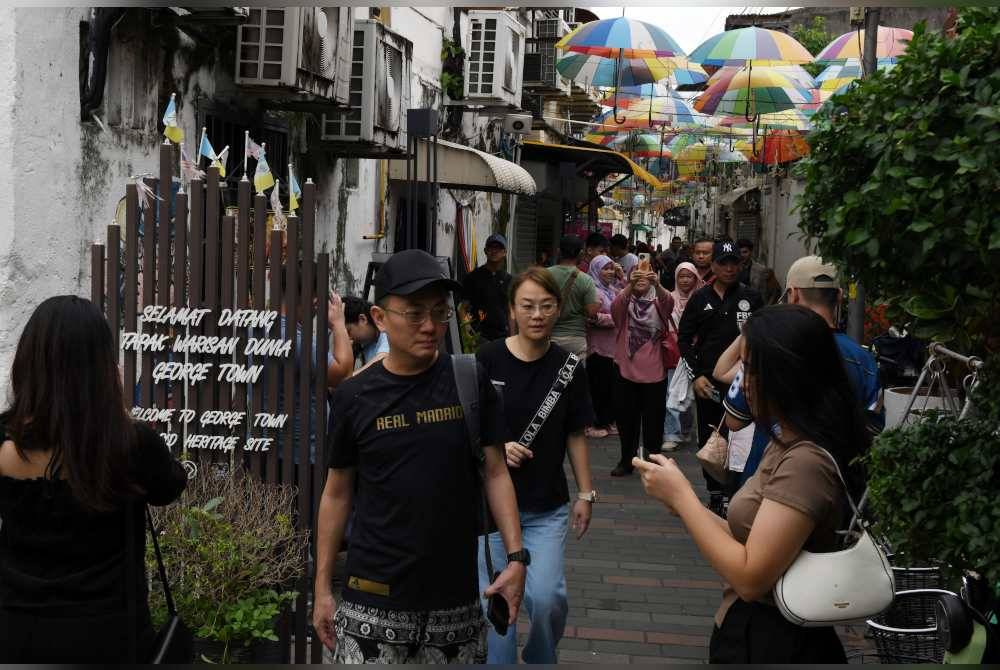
[(522, 556)]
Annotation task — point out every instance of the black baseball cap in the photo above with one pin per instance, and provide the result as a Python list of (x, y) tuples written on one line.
[(724, 249), (406, 272)]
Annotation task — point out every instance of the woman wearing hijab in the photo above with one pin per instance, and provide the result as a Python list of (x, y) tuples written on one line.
[(641, 313), (686, 282), (601, 369)]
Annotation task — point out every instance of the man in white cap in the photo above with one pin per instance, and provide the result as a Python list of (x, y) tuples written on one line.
[(815, 285)]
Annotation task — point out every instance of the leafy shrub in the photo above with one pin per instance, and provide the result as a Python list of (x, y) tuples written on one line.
[(903, 178)]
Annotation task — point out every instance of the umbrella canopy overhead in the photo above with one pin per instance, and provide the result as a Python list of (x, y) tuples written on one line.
[(689, 75), (629, 95), (675, 109), (604, 139), (891, 43), (755, 90), (599, 71), (620, 37), (643, 145), (794, 72), (631, 119), (760, 45), (781, 146), (838, 75)]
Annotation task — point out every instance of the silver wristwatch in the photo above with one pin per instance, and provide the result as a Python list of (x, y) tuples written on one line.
[(589, 496)]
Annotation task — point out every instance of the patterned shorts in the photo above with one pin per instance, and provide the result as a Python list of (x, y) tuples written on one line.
[(372, 635)]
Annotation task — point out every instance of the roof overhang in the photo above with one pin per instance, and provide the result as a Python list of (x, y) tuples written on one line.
[(601, 162), (462, 167)]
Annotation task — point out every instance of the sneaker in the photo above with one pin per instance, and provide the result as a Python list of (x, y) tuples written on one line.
[(596, 433), (668, 446)]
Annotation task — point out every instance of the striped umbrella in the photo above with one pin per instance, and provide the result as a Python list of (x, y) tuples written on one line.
[(620, 38), (611, 72), (781, 146), (752, 91), (891, 43), (642, 145), (630, 95), (689, 75), (759, 45), (838, 75), (604, 139), (674, 108), (794, 72), (637, 120)]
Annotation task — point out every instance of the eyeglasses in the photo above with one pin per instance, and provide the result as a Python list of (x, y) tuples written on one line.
[(418, 315), (545, 309)]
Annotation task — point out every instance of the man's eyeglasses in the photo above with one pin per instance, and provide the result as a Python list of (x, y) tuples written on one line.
[(545, 309), (418, 315)]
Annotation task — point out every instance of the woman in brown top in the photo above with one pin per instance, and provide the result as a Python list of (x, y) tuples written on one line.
[(794, 502)]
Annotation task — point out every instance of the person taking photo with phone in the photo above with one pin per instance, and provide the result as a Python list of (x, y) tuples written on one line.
[(547, 407)]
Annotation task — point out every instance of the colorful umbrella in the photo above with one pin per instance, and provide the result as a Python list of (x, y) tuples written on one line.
[(637, 120), (781, 146), (891, 43), (620, 38), (689, 75), (604, 139), (760, 45), (839, 75), (752, 91), (612, 72), (744, 147), (629, 95), (794, 72), (643, 145), (674, 108)]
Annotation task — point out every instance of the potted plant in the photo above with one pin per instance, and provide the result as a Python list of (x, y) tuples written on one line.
[(232, 554), (933, 485)]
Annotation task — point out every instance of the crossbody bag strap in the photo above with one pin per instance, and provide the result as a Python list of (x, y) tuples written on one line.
[(564, 293), (858, 517), (562, 381), (466, 371)]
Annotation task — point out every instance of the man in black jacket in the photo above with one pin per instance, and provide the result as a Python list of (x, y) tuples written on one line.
[(712, 319)]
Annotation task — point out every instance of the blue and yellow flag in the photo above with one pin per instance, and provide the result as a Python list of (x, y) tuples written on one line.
[(171, 130), (294, 192), (262, 178)]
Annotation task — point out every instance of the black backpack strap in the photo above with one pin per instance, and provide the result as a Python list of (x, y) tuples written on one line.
[(466, 370)]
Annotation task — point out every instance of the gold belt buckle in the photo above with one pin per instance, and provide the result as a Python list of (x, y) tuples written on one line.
[(368, 586)]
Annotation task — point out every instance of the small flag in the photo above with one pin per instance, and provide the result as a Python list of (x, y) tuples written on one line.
[(252, 148), (171, 130), (278, 218), (206, 149), (294, 192), (220, 161), (189, 170), (262, 178)]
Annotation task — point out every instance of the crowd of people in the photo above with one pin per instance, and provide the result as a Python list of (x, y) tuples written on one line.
[(448, 471)]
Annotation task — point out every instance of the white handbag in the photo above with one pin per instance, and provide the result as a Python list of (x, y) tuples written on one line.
[(837, 587)]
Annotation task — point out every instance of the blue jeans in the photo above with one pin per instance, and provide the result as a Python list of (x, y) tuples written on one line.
[(672, 421), (544, 535)]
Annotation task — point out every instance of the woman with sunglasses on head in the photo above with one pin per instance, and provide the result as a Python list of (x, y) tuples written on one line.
[(75, 475), (795, 501), (531, 370)]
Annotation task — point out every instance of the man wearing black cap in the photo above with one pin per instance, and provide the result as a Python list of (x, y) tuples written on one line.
[(713, 318), (485, 291), (398, 433)]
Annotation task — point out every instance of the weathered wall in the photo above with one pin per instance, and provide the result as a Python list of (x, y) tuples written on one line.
[(780, 225)]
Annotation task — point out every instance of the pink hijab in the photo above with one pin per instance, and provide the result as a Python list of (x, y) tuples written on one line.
[(680, 298)]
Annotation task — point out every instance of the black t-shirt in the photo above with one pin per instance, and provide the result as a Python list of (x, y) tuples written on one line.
[(413, 542), (710, 324), (487, 295), (540, 482)]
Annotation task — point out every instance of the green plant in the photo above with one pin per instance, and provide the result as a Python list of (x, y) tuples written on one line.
[(231, 550), (452, 69), (903, 178), (933, 486), (814, 38)]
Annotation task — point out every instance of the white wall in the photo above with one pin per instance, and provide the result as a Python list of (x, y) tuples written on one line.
[(60, 180), (780, 225)]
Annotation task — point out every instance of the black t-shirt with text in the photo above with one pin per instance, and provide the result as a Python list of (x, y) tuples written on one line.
[(413, 542), (540, 482)]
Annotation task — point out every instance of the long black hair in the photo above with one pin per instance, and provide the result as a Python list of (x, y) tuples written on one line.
[(796, 375), (67, 397)]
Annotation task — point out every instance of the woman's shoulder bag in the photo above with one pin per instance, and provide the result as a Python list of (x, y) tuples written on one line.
[(841, 586)]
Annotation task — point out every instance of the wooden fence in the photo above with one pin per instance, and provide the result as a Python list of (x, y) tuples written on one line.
[(202, 259)]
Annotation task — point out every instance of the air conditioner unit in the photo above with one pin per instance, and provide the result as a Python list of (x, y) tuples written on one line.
[(375, 122), (302, 52), (540, 62), (495, 59), (517, 124)]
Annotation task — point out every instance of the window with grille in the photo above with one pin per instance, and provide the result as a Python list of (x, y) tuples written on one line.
[(348, 124), (262, 40)]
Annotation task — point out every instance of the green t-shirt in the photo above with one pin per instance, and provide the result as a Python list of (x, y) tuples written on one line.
[(573, 317)]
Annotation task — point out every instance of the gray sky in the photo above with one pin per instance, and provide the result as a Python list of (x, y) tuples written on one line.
[(690, 26)]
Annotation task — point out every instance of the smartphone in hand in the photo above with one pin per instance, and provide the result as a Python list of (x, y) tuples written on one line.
[(497, 612)]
